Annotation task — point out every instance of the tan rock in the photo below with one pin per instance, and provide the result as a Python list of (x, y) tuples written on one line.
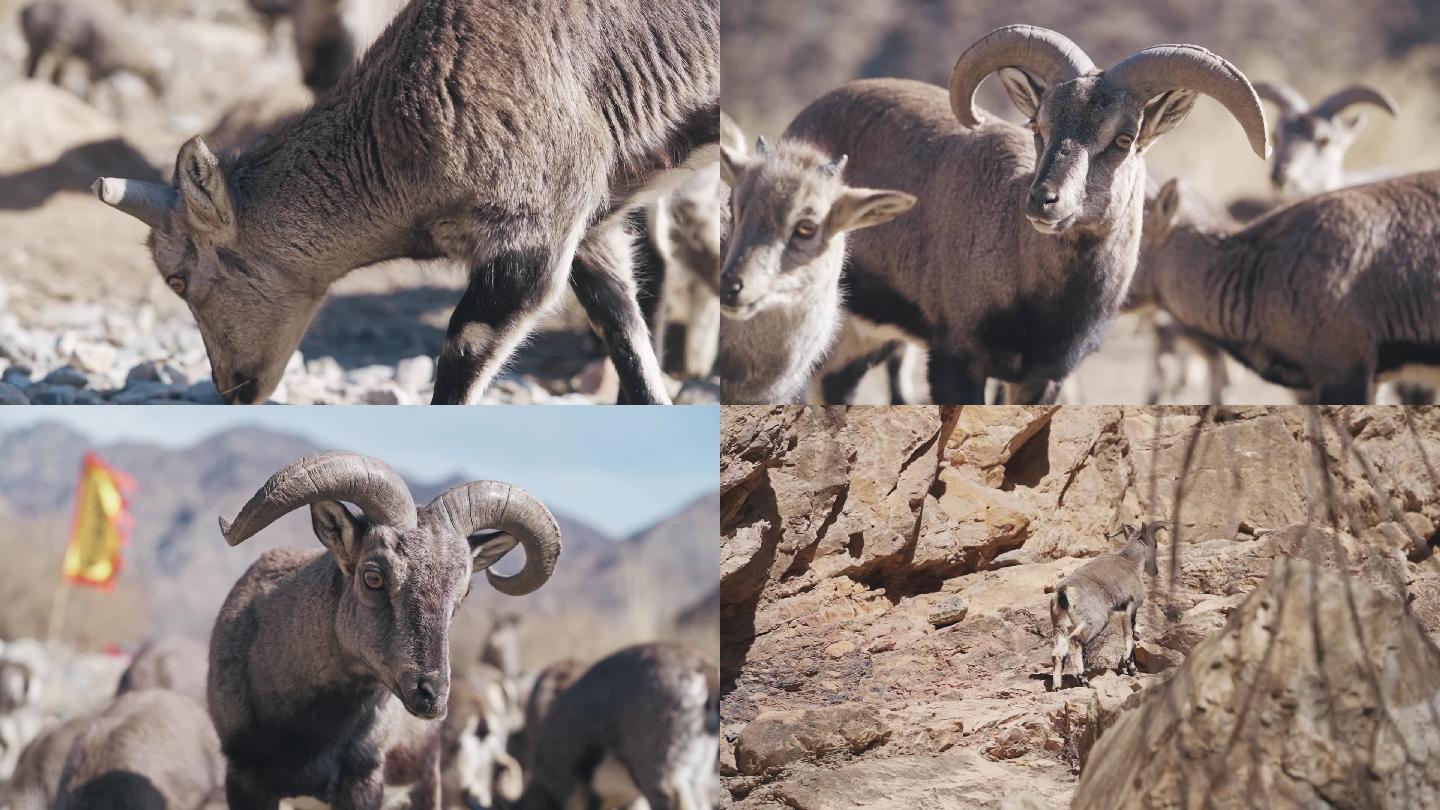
[(1110, 694), (910, 782), (778, 738), (1153, 658), (966, 526), (949, 612), (1273, 713)]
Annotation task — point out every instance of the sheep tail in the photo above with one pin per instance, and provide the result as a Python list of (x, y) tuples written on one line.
[(1061, 599)]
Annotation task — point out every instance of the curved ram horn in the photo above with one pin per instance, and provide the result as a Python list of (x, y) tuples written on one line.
[(148, 202), (367, 482), (1338, 101), (480, 505), (1038, 51), (1287, 98), (1163, 68)]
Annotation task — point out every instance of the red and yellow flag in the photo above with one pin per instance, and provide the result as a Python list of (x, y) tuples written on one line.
[(102, 525)]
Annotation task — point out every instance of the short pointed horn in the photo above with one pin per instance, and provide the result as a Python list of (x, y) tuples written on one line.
[(1163, 68), (481, 505), (1038, 51), (148, 202), (1338, 101), (367, 482), (1287, 98)]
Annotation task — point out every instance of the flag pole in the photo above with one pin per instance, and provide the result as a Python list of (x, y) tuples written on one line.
[(59, 606)]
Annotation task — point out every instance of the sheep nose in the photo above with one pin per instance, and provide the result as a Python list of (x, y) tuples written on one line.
[(425, 692), (240, 389), (1043, 197), (730, 290)]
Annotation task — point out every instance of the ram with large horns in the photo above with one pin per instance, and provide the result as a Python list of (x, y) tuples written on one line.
[(1021, 247), (329, 669)]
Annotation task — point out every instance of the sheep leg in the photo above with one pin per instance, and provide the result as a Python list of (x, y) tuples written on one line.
[(1414, 394), (702, 334), (951, 380), (242, 794), (1218, 373), (901, 366), (57, 69), (665, 797), (32, 61), (505, 298), (1127, 625), (362, 792), (425, 792), (1061, 651), (1077, 644), (1357, 389), (603, 281), (1035, 392), (1156, 384), (838, 387)]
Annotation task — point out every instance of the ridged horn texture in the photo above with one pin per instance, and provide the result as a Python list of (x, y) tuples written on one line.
[(1344, 98), (1038, 51), (1287, 98), (1163, 68), (148, 202), (481, 505), (337, 475)]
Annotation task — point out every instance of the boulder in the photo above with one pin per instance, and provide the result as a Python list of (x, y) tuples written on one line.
[(1320, 691), (778, 738)]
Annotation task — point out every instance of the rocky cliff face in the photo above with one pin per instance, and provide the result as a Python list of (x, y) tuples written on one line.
[(1270, 712), (885, 576)]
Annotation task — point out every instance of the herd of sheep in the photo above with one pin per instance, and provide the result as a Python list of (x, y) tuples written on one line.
[(328, 679), (891, 216), (1025, 240)]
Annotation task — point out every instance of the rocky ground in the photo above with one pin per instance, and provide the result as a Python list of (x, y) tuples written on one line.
[(885, 579), (85, 318)]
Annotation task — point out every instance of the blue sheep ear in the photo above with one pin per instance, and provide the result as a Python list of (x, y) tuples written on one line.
[(339, 531)]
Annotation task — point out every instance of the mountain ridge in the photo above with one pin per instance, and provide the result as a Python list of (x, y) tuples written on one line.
[(179, 560)]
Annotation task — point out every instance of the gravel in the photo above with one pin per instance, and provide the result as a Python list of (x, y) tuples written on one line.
[(85, 353), (84, 356)]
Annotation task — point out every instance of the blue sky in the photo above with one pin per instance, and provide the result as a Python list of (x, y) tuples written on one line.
[(619, 469)]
